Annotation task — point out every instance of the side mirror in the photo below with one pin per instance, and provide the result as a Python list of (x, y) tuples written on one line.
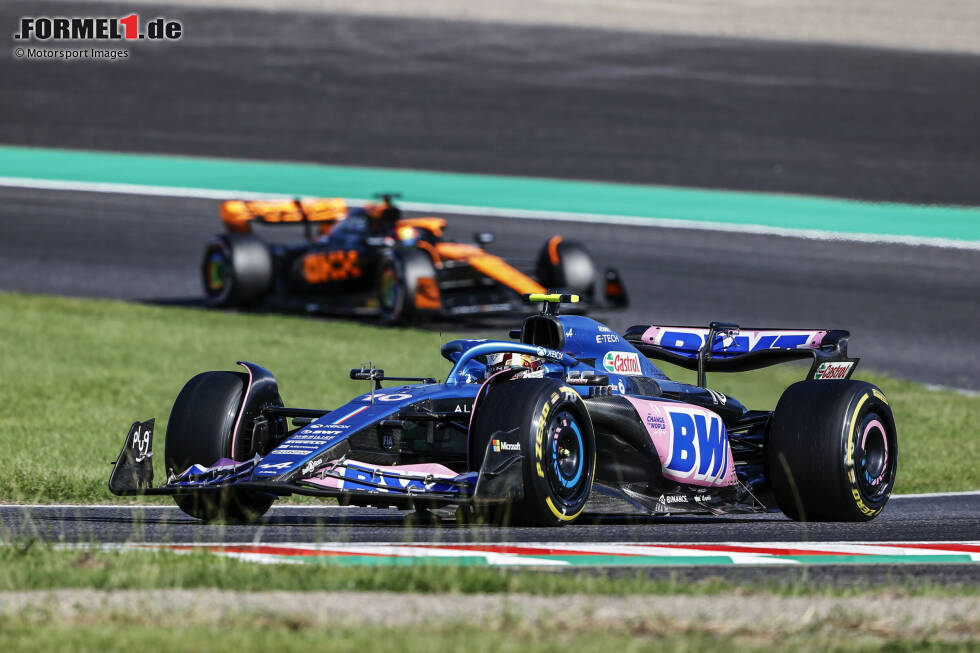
[(483, 238)]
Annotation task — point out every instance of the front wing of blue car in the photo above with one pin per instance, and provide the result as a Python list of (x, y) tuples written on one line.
[(348, 480)]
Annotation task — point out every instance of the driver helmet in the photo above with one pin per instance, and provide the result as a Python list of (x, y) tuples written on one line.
[(505, 360)]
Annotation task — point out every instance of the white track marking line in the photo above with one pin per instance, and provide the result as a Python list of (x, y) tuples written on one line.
[(264, 552), (698, 225), (966, 392), (928, 495), (133, 189), (711, 549), (627, 220), (557, 546), (150, 506), (92, 506)]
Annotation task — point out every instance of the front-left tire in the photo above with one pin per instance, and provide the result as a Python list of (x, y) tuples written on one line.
[(557, 444), (200, 431)]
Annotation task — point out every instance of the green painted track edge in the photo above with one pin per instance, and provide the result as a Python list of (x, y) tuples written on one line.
[(495, 192)]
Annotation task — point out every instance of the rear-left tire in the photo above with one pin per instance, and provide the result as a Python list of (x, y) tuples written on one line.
[(236, 270), (832, 451), (567, 266), (200, 431), (399, 278)]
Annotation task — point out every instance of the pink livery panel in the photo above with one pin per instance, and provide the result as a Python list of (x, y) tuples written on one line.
[(691, 441)]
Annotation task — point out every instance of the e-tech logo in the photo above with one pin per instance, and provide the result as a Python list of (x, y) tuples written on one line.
[(622, 362), (89, 28)]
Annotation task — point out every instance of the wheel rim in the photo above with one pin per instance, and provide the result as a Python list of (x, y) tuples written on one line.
[(567, 455), (875, 459), (216, 272), (388, 289)]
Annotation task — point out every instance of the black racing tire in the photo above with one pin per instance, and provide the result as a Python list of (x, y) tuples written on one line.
[(236, 270), (398, 281), (200, 432), (832, 451), (567, 266), (557, 442)]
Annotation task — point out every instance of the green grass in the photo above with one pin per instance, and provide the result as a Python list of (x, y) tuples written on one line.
[(248, 633), (27, 564), (76, 373)]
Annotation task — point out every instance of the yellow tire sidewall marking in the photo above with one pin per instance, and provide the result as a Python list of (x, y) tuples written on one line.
[(849, 458), (539, 424)]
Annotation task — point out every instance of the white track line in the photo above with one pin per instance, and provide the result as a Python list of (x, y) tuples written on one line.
[(628, 220), (926, 495), (966, 392), (132, 189), (529, 553), (85, 505)]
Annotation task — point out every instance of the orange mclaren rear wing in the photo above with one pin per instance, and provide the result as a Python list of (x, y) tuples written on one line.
[(238, 215)]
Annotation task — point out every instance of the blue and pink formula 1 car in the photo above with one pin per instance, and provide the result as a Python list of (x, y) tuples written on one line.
[(565, 417)]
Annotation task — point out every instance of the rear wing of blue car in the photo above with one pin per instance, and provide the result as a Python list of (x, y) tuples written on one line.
[(734, 349)]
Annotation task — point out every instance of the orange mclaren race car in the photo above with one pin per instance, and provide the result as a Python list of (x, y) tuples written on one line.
[(372, 260)]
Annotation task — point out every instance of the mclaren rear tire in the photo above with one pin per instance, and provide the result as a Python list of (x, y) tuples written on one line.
[(557, 443), (832, 451), (406, 287), (567, 266), (236, 270), (200, 431)]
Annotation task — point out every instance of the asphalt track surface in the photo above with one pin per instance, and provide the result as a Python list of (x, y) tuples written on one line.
[(909, 308), (931, 518), (522, 100)]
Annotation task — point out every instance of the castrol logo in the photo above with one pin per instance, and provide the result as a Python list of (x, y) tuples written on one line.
[(833, 370), (622, 362)]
